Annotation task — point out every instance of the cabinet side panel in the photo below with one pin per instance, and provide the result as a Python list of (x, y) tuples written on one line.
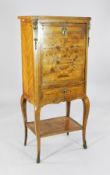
[(27, 60), (87, 44)]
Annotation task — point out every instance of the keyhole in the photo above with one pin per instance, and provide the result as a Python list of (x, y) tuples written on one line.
[(65, 91)]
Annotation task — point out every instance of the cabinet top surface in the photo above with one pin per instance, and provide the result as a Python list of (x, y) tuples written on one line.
[(56, 18)]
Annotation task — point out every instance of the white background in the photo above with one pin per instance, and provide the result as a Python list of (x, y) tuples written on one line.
[(60, 154)]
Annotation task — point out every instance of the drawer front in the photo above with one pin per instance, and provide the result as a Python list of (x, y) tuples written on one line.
[(57, 95), (63, 55)]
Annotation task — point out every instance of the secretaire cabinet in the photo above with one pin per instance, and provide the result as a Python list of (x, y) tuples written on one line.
[(54, 70)]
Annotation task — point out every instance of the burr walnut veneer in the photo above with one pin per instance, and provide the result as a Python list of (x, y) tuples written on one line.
[(54, 69)]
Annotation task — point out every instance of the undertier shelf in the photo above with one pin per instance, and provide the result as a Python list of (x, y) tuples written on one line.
[(55, 126)]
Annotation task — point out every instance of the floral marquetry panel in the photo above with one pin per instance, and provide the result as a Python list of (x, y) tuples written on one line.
[(63, 59), (63, 66)]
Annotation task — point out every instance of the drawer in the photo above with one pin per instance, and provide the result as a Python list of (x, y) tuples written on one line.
[(74, 92), (57, 95), (63, 35)]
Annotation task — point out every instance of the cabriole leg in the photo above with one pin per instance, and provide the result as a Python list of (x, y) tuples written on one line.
[(86, 107), (68, 103), (37, 126), (24, 114)]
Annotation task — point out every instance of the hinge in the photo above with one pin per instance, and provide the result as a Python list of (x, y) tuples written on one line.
[(35, 43), (35, 24), (88, 40), (35, 28)]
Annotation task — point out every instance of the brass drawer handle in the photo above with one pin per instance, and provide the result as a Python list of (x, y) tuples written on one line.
[(64, 31)]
